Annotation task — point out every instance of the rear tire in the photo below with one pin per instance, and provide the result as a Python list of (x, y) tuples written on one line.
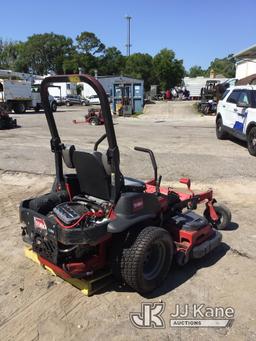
[(251, 141), (37, 108), (146, 263), (19, 108), (220, 133), (94, 121), (54, 106)]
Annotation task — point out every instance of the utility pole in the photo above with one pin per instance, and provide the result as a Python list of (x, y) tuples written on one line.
[(128, 44)]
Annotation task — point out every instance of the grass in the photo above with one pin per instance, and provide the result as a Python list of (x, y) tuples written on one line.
[(136, 114)]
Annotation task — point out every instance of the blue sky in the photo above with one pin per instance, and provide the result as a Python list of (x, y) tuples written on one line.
[(197, 30)]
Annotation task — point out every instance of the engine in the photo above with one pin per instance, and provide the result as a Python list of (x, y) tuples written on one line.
[(69, 217)]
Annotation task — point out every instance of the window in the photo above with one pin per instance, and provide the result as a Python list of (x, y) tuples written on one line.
[(225, 94), (253, 98), (243, 97), (232, 82), (233, 97)]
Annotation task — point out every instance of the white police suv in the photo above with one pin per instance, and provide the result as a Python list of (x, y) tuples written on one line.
[(236, 115)]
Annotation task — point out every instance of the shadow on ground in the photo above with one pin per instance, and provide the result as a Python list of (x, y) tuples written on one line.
[(239, 142), (179, 275)]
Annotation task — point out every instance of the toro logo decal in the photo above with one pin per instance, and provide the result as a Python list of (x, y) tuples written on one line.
[(137, 204), (39, 223)]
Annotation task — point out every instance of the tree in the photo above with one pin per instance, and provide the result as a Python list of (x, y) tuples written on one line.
[(168, 70), (88, 46), (196, 71), (112, 62), (89, 63), (72, 62), (89, 43), (45, 52), (140, 65), (225, 66), (9, 52)]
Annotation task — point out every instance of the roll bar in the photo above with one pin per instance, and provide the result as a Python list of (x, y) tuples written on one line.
[(57, 146)]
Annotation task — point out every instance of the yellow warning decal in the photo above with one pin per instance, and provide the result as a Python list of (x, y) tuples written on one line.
[(74, 79)]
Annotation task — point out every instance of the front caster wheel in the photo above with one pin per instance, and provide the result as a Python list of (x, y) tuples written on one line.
[(181, 258), (146, 263), (224, 216)]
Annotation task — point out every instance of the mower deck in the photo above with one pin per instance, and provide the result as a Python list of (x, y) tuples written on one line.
[(87, 286)]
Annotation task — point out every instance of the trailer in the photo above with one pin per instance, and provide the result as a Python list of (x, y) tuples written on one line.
[(195, 84)]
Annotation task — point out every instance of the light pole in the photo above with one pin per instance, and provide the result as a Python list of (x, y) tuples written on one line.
[(128, 44)]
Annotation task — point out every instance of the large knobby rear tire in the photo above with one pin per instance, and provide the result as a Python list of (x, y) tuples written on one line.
[(220, 132), (251, 141), (146, 263)]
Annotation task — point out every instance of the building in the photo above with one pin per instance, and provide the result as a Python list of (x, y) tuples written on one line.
[(122, 90), (246, 62), (63, 89)]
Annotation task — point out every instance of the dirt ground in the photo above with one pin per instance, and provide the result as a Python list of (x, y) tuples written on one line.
[(37, 306)]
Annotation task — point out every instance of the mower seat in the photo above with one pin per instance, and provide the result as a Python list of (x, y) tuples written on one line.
[(91, 174), (130, 184), (67, 155)]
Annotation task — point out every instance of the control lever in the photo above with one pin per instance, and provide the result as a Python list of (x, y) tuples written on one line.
[(99, 141), (158, 184), (154, 165)]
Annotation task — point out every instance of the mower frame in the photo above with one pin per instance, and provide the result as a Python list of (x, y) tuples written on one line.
[(133, 221)]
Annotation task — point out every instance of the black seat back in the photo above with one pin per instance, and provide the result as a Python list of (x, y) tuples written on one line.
[(91, 174)]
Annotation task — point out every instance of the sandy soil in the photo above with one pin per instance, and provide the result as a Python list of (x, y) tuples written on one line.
[(37, 306)]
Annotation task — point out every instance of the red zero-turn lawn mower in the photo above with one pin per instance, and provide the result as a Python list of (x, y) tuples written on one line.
[(96, 218), (94, 118)]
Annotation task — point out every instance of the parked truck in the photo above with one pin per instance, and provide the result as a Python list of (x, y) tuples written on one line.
[(20, 95)]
